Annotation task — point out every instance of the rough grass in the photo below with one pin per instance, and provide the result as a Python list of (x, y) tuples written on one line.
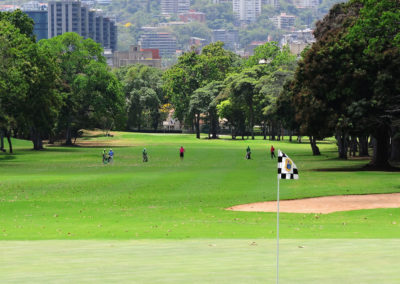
[(67, 193)]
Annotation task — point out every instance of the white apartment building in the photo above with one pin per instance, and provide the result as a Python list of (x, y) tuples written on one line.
[(171, 7), (246, 10)]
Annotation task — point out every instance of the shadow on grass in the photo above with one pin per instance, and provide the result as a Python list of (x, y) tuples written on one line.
[(60, 149), (86, 137), (7, 157), (73, 147), (365, 168)]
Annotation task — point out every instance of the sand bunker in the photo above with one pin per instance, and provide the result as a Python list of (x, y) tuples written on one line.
[(327, 204)]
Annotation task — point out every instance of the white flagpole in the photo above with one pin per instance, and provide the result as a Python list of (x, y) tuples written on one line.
[(277, 237)]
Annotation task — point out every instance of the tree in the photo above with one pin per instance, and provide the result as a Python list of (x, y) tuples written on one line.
[(143, 91), (376, 36), (43, 101), (180, 81), (204, 101), (324, 84), (19, 20), (13, 85), (16, 33), (235, 116), (243, 92), (100, 97), (285, 109), (351, 72), (73, 53), (269, 87), (194, 71), (28, 79)]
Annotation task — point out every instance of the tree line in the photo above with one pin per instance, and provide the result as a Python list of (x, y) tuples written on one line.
[(53, 88), (345, 85)]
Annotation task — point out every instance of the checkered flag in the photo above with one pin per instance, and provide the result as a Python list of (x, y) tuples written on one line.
[(286, 168)]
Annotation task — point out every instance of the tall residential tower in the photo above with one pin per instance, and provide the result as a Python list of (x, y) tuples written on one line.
[(70, 16), (246, 11)]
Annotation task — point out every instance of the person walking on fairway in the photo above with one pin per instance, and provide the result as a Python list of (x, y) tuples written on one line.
[(248, 153), (145, 155), (104, 156), (111, 156), (181, 152), (272, 152)]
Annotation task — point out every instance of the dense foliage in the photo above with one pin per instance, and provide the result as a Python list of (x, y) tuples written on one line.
[(350, 78), (52, 89), (345, 85)]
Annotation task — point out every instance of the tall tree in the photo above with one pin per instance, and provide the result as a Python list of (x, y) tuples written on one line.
[(204, 101), (243, 91), (376, 36), (143, 90), (74, 53), (100, 97), (19, 20), (235, 116), (194, 71), (351, 73)]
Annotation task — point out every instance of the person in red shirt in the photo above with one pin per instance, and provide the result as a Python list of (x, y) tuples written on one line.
[(272, 152), (181, 152)]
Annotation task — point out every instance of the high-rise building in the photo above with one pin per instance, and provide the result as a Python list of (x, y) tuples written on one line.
[(246, 11), (70, 16), (284, 21), (64, 16), (173, 7), (38, 13), (85, 22), (162, 41), (113, 36), (92, 24)]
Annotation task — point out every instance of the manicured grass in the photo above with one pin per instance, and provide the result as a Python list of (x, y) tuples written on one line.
[(67, 193), (200, 261)]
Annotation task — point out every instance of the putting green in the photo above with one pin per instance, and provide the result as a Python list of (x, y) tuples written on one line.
[(200, 261)]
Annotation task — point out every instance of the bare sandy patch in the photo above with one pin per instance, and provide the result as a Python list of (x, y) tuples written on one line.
[(326, 204)]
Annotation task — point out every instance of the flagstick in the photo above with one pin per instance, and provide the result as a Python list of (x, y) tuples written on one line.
[(277, 238)]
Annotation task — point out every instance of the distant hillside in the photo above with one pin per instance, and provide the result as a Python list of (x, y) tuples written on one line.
[(132, 15)]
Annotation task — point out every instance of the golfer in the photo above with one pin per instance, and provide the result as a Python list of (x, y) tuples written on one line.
[(145, 155), (181, 152), (272, 152), (248, 153), (110, 156), (104, 156)]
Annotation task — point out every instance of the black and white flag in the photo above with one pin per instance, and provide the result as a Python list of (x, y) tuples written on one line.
[(286, 168)]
